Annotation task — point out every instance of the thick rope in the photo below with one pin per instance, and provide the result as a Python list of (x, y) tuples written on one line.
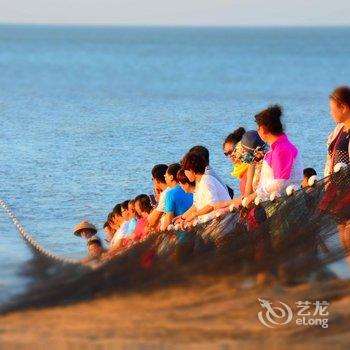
[(31, 241), (202, 223)]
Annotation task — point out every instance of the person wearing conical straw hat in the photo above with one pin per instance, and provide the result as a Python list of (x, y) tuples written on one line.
[(85, 229)]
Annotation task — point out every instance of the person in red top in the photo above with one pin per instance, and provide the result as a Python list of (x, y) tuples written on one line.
[(143, 207)]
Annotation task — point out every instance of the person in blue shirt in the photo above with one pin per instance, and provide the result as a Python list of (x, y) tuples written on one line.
[(177, 201)]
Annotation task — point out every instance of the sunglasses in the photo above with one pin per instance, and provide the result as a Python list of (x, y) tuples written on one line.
[(229, 152)]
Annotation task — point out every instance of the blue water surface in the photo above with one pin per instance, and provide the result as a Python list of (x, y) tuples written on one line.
[(87, 111)]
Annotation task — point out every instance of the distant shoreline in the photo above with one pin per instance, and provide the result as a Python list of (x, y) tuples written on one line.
[(161, 26)]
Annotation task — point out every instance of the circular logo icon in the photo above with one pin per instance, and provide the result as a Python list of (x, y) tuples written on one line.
[(272, 316)]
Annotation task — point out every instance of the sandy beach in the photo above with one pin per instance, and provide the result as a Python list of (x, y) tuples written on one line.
[(208, 313)]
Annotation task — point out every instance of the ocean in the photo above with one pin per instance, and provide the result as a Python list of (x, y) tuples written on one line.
[(87, 111)]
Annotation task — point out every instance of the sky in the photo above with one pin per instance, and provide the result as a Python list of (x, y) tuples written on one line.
[(178, 12)]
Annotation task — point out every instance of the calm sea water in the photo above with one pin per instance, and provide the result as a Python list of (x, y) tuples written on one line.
[(86, 112)]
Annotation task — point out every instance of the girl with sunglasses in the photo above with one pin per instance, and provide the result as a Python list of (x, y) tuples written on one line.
[(239, 169), (250, 151)]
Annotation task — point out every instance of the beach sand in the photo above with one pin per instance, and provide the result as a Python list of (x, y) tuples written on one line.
[(208, 313)]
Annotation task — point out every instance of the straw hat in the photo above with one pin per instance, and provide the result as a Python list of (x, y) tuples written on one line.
[(84, 225)]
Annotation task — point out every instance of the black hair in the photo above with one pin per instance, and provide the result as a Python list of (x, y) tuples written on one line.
[(270, 118), (308, 172), (341, 95), (139, 197), (159, 171), (117, 209), (125, 205), (94, 241), (110, 217), (193, 161), (201, 151), (106, 224), (235, 136), (144, 203), (173, 169), (183, 179)]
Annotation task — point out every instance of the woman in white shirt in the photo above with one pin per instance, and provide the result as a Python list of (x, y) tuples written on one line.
[(208, 190)]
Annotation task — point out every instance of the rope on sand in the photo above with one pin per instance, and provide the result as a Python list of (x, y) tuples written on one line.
[(31, 241)]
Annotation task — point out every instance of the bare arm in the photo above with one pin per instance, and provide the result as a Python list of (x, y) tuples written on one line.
[(205, 210), (154, 217), (168, 217), (250, 198), (185, 215), (223, 204), (249, 182)]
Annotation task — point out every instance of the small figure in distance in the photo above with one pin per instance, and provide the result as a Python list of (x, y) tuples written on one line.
[(307, 172), (95, 248), (85, 229)]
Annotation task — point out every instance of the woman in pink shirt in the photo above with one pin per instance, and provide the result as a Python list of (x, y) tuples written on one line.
[(282, 165)]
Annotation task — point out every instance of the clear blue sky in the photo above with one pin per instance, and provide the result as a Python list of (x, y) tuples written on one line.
[(178, 12)]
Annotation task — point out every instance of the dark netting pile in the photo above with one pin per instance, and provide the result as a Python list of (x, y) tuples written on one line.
[(291, 239)]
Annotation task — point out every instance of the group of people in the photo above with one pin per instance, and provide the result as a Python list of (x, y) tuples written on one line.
[(264, 161)]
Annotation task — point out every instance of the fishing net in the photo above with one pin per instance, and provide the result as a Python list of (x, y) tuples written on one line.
[(291, 238)]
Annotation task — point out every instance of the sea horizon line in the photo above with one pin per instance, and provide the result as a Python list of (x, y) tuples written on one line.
[(175, 26)]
